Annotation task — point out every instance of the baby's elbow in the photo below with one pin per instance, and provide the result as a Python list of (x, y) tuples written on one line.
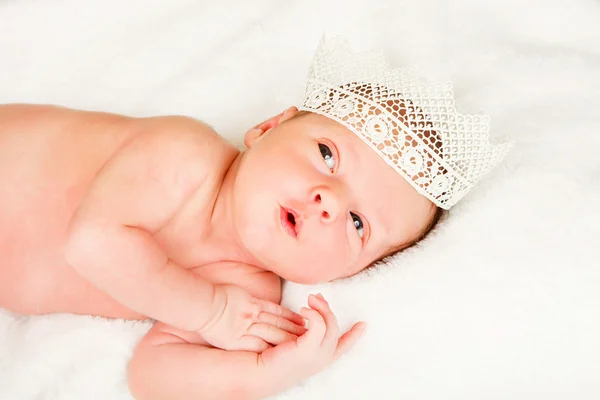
[(164, 366), (145, 382), (145, 374), (135, 382), (138, 381)]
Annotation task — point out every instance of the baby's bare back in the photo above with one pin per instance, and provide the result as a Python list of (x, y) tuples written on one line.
[(48, 158)]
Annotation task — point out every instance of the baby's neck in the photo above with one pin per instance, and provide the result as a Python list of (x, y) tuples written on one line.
[(222, 236)]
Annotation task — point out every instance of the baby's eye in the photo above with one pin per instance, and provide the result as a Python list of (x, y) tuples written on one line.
[(358, 224), (327, 155)]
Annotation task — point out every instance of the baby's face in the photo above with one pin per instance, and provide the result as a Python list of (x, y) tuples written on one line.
[(314, 203)]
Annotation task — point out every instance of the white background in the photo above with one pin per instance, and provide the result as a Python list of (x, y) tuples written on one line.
[(501, 302)]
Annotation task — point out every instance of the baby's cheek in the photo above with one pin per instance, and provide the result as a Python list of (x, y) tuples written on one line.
[(338, 260)]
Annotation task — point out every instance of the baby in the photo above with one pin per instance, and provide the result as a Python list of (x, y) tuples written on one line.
[(161, 218)]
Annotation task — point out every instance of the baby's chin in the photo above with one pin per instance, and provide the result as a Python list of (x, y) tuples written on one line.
[(305, 280), (303, 277)]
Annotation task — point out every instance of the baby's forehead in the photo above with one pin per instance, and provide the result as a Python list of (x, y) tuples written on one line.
[(391, 124), (321, 125), (406, 126), (357, 155)]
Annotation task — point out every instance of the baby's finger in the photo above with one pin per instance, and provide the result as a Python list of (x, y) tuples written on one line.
[(270, 334), (349, 339), (281, 323), (316, 328), (251, 343), (276, 309), (333, 330)]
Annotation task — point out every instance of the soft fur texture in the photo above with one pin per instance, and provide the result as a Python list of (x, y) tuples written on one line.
[(500, 302)]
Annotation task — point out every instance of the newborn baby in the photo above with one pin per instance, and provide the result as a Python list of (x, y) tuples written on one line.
[(161, 218)]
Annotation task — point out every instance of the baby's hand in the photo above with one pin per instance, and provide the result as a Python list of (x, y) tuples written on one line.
[(243, 322), (315, 350)]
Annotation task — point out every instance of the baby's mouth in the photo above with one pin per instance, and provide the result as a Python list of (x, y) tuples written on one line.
[(290, 221)]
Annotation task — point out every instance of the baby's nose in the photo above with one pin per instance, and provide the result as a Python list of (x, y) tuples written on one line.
[(327, 204)]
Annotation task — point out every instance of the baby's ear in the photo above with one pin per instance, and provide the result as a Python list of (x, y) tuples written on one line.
[(255, 133)]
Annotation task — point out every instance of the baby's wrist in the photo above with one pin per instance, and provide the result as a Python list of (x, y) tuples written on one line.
[(214, 310)]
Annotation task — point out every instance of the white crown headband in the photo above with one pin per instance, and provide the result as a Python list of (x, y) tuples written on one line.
[(411, 124)]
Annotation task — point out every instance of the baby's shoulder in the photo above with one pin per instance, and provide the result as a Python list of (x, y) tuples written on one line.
[(183, 134), (181, 150)]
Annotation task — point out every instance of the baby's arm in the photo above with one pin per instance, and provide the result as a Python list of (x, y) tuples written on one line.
[(111, 239), (133, 196), (164, 366)]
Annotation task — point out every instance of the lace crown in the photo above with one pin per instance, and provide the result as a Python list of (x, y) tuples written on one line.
[(413, 125)]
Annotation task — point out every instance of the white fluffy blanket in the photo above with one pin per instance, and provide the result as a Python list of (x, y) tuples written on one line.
[(501, 302)]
